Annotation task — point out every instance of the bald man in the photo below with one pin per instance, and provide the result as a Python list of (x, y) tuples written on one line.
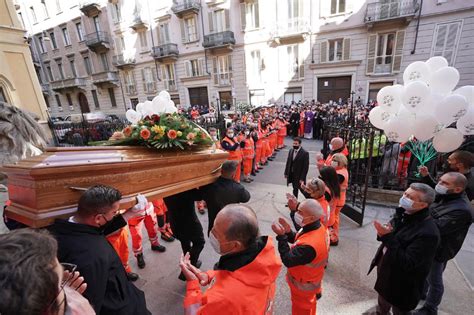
[(336, 146), (243, 281), (307, 256), (453, 214)]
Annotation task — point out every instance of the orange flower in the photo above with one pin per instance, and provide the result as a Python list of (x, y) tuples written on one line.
[(127, 131), (172, 134), (145, 134), (191, 136)]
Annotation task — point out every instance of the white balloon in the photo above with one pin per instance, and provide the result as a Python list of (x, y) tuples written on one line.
[(450, 109), (139, 108), (405, 115), (444, 80), (133, 116), (148, 108), (425, 127), (447, 140), (416, 96), (416, 71), (171, 108), (159, 104), (435, 63), (396, 130), (164, 94), (390, 98), (468, 92), (379, 117), (465, 124)]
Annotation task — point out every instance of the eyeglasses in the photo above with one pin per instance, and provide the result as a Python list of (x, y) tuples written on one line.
[(70, 268)]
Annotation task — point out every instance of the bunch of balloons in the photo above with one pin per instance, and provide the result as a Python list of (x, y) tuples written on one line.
[(426, 107), (161, 104)]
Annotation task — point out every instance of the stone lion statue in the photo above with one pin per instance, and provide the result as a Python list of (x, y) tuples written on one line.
[(20, 134)]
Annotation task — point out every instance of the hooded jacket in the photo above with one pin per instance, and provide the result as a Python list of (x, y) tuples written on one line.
[(244, 283)]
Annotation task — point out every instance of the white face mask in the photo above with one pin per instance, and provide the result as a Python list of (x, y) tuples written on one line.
[(299, 219), (230, 135), (440, 189), (334, 164), (215, 243), (247, 133), (406, 203), (330, 147)]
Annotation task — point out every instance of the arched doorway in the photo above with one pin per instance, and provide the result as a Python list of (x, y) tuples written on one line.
[(83, 103)]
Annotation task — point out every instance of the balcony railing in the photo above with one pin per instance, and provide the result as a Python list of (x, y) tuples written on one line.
[(219, 39), (165, 51), (186, 6), (105, 77), (68, 84), (122, 61), (45, 87), (89, 7), (378, 11), (290, 28), (98, 41)]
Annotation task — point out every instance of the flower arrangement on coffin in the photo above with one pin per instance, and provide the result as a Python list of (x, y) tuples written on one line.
[(157, 124)]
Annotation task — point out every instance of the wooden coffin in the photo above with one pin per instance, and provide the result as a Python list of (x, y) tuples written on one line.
[(48, 186)]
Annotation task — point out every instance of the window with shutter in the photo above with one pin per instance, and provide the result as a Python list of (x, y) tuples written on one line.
[(211, 22), (187, 68), (227, 19), (202, 66), (214, 68), (347, 49), (335, 49), (397, 57), (446, 40), (144, 80), (323, 56), (371, 45), (243, 15)]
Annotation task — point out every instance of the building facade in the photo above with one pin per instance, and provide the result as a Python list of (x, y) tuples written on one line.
[(18, 83), (237, 51)]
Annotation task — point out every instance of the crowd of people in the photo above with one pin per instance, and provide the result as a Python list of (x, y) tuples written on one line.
[(73, 269)]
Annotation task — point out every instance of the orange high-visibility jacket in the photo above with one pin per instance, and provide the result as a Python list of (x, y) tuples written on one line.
[(233, 155), (249, 150), (308, 277), (326, 210), (247, 290), (342, 199)]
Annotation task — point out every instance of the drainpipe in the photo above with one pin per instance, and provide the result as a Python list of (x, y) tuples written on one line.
[(417, 27), (202, 27)]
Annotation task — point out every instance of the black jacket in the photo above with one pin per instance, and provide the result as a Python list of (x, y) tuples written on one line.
[(221, 193), (298, 255), (297, 169), (453, 214), (108, 289), (182, 214), (410, 249), (295, 119)]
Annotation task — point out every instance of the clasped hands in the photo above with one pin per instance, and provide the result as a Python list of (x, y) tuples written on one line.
[(191, 272), (281, 227), (382, 229)]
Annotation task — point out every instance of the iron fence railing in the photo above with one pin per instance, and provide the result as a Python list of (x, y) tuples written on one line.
[(82, 133)]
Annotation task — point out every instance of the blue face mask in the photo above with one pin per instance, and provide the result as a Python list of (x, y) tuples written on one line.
[(406, 203)]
